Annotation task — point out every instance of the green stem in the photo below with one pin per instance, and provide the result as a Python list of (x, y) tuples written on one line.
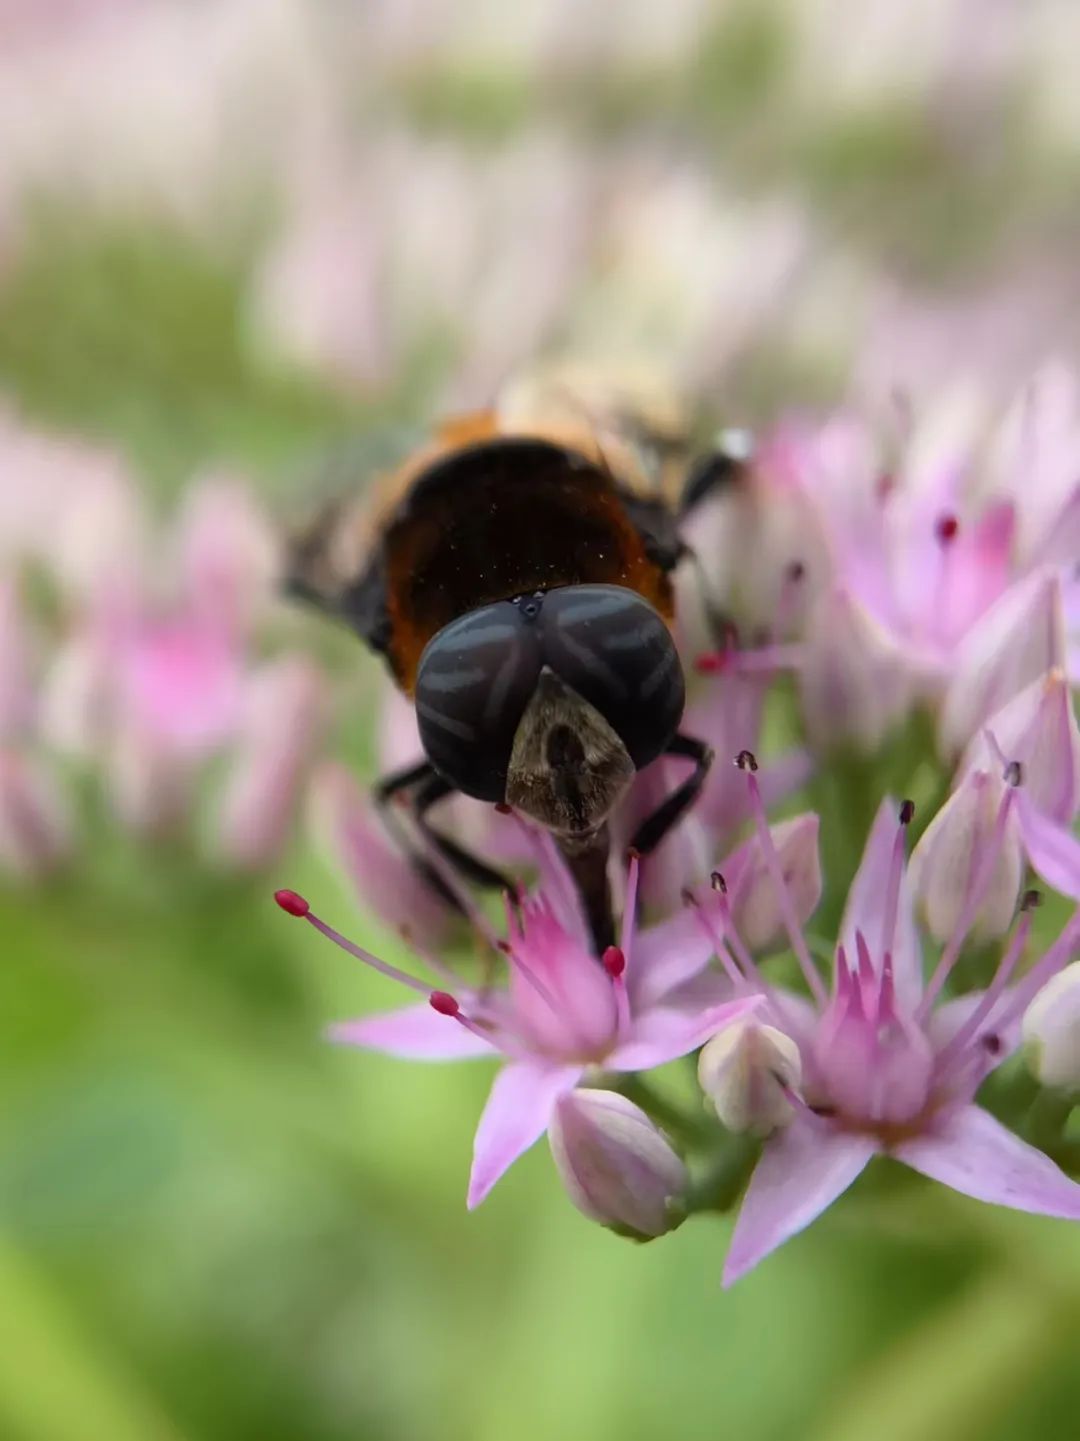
[(1047, 1119), (720, 1184), (692, 1131)]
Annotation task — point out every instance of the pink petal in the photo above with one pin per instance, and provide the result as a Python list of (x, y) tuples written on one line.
[(976, 1155), (1052, 849), (801, 1172), (414, 1033), (865, 909), (667, 955), (281, 731), (516, 1115), (1019, 638), (227, 552), (663, 1035)]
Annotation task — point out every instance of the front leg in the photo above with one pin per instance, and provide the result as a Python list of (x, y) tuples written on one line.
[(669, 812)]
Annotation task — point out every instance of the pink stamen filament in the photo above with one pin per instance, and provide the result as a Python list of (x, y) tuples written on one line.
[(1059, 954), (529, 975), (992, 995), (452, 882), (543, 844), (629, 916), (447, 1005), (892, 894), (751, 972), (737, 977), (383, 967), (776, 871), (981, 874)]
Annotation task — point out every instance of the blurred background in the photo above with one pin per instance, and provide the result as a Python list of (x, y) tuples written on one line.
[(236, 237)]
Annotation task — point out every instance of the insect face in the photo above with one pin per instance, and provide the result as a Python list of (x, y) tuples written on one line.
[(551, 701)]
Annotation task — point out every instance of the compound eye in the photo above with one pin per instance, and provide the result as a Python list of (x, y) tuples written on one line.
[(615, 650), (474, 680)]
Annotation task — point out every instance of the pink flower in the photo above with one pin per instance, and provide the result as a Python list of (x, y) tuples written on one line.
[(153, 681), (888, 1070), (1035, 740), (563, 1013), (943, 585), (726, 713)]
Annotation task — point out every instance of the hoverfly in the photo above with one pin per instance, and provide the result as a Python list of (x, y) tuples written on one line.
[(516, 575)]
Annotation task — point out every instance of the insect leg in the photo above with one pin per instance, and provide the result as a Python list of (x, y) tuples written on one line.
[(654, 828), (432, 789), (399, 783), (716, 470)]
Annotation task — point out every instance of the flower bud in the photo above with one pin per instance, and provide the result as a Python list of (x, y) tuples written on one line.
[(746, 1071), (1020, 638), (617, 1167), (1038, 728), (1051, 1031), (752, 894), (944, 864), (854, 686)]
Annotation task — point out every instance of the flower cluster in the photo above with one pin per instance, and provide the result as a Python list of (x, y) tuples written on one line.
[(886, 580), (131, 654)]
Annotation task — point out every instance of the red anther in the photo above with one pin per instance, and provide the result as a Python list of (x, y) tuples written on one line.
[(712, 662), (614, 962), (746, 761), (907, 813), (716, 880), (632, 854), (503, 809), (291, 903), (444, 1003), (505, 947), (946, 528)]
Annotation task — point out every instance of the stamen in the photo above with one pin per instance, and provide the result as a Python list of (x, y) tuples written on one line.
[(450, 879), (723, 955), (446, 1005), (789, 600), (749, 970), (946, 528), (629, 915), (550, 857), (614, 962), (992, 994), (896, 875), (292, 903), (296, 905), (746, 762), (1059, 954), (981, 875)]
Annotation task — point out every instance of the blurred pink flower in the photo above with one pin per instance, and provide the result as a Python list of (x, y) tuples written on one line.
[(944, 582), (887, 1069), (151, 676), (564, 1012)]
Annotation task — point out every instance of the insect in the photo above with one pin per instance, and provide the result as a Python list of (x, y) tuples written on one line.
[(516, 576)]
